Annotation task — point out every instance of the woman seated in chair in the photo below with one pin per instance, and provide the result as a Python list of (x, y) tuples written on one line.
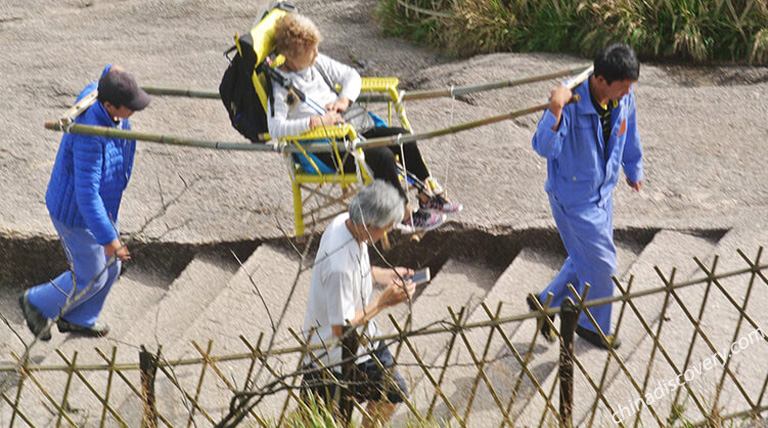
[(297, 39)]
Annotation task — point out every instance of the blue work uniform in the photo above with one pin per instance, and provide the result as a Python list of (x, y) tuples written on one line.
[(582, 171)]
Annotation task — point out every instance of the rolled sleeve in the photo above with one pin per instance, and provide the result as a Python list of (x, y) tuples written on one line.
[(546, 142)]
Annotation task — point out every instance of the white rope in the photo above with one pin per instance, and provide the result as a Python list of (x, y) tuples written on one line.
[(405, 169), (351, 147), (451, 151), (279, 146)]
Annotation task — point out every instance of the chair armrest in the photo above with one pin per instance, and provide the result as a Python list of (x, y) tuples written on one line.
[(325, 132), (381, 85)]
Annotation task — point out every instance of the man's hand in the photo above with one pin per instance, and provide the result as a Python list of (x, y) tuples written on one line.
[(386, 275), (341, 104), (396, 292), (328, 119), (558, 98), (117, 248), (635, 186)]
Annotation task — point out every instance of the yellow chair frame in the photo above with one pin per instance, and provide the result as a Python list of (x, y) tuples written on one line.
[(313, 181)]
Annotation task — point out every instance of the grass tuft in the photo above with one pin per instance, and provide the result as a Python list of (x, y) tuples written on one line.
[(697, 31)]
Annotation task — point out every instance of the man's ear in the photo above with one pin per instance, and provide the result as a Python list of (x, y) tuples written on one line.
[(111, 108), (601, 80)]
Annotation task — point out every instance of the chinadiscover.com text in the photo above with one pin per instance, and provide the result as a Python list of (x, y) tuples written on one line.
[(664, 388)]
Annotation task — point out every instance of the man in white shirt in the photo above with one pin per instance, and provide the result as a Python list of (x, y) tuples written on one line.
[(340, 295)]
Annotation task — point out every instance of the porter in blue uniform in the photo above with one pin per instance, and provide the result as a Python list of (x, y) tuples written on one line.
[(585, 143)]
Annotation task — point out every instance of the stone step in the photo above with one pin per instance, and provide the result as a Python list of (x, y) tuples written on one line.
[(458, 284), (160, 323), (15, 336), (530, 271), (195, 288), (667, 249), (134, 292), (719, 322), (527, 272), (236, 310)]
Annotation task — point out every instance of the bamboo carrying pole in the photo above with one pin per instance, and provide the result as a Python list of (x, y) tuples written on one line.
[(311, 148), (414, 95), (181, 92), (314, 147), (102, 131)]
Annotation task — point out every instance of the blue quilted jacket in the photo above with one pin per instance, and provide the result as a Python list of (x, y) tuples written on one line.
[(90, 174)]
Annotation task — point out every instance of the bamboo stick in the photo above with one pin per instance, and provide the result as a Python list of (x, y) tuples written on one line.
[(181, 92), (102, 131), (415, 95), (410, 138), (321, 147), (463, 90)]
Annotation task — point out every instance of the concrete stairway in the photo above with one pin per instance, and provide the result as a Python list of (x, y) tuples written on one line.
[(215, 299), (470, 395), (130, 297), (458, 284), (718, 320), (160, 323), (667, 249), (236, 310), (526, 273)]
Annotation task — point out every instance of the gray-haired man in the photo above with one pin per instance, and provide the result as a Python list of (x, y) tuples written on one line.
[(341, 291)]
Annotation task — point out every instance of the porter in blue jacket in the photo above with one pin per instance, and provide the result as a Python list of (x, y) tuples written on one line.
[(83, 200), (585, 143)]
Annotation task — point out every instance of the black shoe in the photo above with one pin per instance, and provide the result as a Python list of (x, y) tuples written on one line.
[(546, 328), (99, 329), (594, 338), (36, 321)]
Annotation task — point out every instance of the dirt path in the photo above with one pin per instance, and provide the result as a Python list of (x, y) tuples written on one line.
[(704, 130)]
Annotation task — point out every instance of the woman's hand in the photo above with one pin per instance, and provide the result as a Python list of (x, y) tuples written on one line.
[(117, 249), (328, 119), (341, 104)]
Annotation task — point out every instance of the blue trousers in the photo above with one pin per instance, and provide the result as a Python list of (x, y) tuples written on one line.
[(88, 263), (587, 234)]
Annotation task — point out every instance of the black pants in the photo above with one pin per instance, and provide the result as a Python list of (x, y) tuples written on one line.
[(368, 383), (381, 160)]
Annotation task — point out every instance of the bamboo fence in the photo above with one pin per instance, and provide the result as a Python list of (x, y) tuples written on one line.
[(495, 355)]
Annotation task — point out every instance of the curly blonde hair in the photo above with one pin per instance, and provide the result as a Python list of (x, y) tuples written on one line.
[(295, 33)]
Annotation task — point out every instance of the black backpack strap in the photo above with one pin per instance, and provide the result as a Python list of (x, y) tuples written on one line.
[(270, 93), (326, 78), (229, 51)]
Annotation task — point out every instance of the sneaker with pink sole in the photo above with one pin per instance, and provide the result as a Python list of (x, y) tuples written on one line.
[(423, 220), (440, 204)]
